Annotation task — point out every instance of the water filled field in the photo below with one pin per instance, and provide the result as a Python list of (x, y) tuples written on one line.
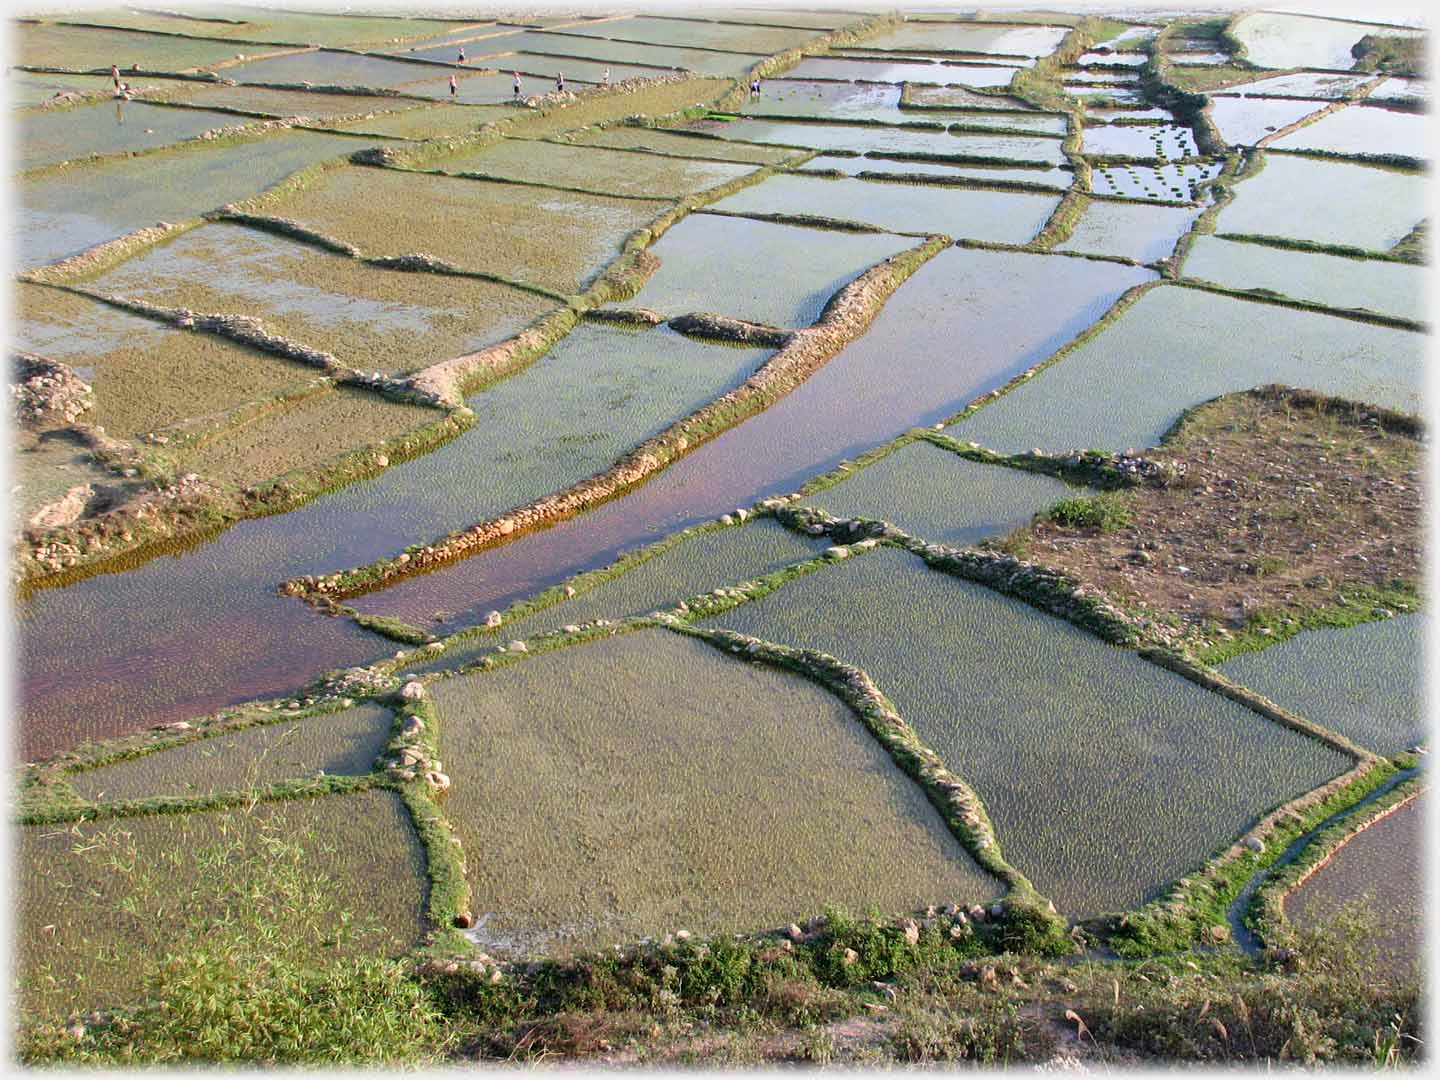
[(146, 375), (1244, 121), (1176, 348), (1386, 287), (76, 48), (1132, 231), (682, 144), (696, 564), (939, 496), (1364, 681), (1361, 131), (264, 100), (63, 214), (727, 36), (340, 569), (1002, 216), (906, 370), (880, 141), (564, 45), (1149, 141), (903, 69), (473, 224), (1056, 179), (1304, 84), (109, 128), (1300, 198), (1005, 40), (1275, 39), (371, 318), (119, 896), (743, 797), (596, 169), (1162, 182), (809, 267), (1096, 801), (336, 744), (1382, 869)]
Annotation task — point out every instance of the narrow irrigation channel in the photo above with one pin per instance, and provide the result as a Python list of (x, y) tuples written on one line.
[(1243, 935)]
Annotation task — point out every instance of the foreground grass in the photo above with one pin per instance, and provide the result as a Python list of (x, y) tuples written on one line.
[(859, 992)]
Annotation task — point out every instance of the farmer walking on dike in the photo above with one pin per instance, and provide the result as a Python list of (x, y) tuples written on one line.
[(115, 75), (452, 86), (560, 82), (754, 88), (517, 86)]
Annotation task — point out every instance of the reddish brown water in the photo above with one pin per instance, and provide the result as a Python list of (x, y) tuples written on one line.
[(180, 636)]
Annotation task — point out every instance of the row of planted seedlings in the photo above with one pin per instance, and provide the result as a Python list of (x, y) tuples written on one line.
[(66, 553)]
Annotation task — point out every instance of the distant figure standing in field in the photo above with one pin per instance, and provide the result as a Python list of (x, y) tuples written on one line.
[(452, 86), (560, 82), (754, 88), (115, 75), (605, 79), (462, 54), (517, 86)]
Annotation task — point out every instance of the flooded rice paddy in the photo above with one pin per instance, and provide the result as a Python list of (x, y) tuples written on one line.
[(901, 70), (368, 317), (68, 212), (1274, 39), (1299, 198), (702, 561), (337, 744), (1006, 310), (1361, 131), (1177, 347), (596, 168), (881, 142), (1382, 870), (1244, 121), (741, 796), (968, 213), (109, 127), (486, 227), (120, 895), (941, 497), (1390, 288), (981, 677), (779, 275), (1363, 681), (1130, 230), (644, 782)]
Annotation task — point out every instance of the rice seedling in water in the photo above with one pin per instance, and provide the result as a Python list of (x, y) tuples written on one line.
[(491, 228), (1362, 681), (1378, 875), (65, 213), (1389, 288), (695, 565), (1302, 198), (736, 797), (1001, 216), (336, 744), (1106, 776), (101, 907), (940, 496), (367, 317), (1127, 385)]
